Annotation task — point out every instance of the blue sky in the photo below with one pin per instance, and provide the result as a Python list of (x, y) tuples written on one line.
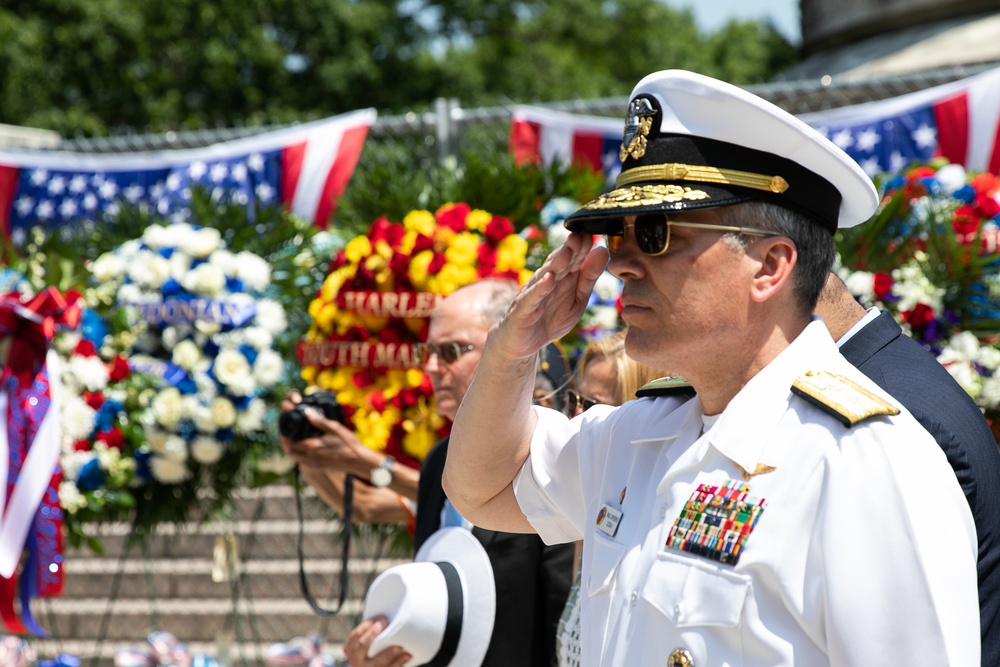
[(713, 14)]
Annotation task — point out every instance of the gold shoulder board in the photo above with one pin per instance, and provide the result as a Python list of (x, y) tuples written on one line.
[(845, 399), (672, 385)]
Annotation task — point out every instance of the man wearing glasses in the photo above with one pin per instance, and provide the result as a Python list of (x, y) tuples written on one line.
[(791, 513)]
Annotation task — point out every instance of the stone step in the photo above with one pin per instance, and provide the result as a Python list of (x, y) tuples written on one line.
[(130, 621), (227, 650), (200, 578), (263, 539)]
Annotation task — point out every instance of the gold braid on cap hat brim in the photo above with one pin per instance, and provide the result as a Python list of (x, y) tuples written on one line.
[(673, 171)]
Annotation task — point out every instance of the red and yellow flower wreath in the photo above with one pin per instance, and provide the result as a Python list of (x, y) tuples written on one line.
[(374, 305)]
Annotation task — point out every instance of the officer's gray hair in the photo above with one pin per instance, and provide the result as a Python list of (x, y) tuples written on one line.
[(813, 244)]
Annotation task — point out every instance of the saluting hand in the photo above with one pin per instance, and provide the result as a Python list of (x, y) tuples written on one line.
[(552, 302)]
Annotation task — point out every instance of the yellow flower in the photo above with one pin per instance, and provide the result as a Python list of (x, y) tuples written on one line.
[(357, 249), (324, 319), (420, 221), (463, 249), (336, 280), (325, 379), (478, 219), (419, 266), (418, 442), (308, 374), (451, 277), (407, 242), (524, 276), (511, 253)]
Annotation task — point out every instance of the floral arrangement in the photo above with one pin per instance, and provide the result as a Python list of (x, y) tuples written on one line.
[(930, 256), (166, 382), (374, 305)]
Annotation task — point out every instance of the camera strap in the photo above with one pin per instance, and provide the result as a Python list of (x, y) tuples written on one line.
[(345, 546)]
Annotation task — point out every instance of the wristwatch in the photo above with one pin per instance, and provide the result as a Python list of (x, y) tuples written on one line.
[(382, 475)]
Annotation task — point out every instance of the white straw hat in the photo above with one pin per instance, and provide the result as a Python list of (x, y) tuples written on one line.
[(441, 606)]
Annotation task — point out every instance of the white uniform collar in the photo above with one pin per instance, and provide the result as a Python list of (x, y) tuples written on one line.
[(746, 426)]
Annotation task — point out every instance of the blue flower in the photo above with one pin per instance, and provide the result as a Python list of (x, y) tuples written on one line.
[(171, 287), (91, 476), (93, 328)]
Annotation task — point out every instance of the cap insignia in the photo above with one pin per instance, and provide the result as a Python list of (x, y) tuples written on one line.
[(638, 122), (648, 195), (845, 399)]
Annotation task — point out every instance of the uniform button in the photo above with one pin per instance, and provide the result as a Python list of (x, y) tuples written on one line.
[(680, 657), (678, 610), (634, 597)]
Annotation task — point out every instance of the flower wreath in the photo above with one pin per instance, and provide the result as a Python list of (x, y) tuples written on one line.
[(930, 257), (374, 305), (165, 384)]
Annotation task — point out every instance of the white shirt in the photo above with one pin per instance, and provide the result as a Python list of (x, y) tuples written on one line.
[(865, 553)]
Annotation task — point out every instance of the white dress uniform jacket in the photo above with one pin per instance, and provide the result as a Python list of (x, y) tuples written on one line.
[(864, 552)]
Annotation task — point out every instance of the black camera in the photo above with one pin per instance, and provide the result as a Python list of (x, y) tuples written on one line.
[(294, 424)]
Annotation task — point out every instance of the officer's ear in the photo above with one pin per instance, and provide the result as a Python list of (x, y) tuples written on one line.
[(775, 257)]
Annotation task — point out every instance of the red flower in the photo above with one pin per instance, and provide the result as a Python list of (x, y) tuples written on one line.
[(400, 267), (383, 230), (965, 223), (987, 206), (81, 446), (376, 401), (882, 285), (422, 242), (533, 233), (498, 229), (112, 438), (437, 263), (94, 399), (453, 216), (363, 378), (487, 260), (85, 348), (918, 317), (920, 172), (119, 369)]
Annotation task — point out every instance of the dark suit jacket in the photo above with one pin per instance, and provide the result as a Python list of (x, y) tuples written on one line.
[(532, 579), (914, 377)]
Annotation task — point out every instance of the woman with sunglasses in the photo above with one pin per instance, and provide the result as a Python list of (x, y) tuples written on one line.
[(605, 375)]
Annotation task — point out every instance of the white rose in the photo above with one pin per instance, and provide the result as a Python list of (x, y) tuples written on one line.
[(270, 316), (951, 177), (129, 293), (202, 242), (206, 450), (72, 462), (175, 449), (225, 260), (861, 284), (186, 355), (990, 395), (204, 279), (231, 367), (167, 407), (268, 368), (149, 270), (156, 236), (965, 345), (258, 338), (70, 498), (608, 288), (180, 264), (90, 372), (190, 407), (967, 377), (604, 317), (223, 412), (107, 457), (252, 418), (166, 471), (989, 357), (77, 418), (157, 440), (108, 267), (253, 270), (206, 387)]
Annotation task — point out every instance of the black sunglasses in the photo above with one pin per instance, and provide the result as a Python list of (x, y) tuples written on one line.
[(652, 232), (574, 403), (447, 353)]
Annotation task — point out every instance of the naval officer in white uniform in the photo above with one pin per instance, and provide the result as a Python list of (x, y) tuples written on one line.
[(792, 513)]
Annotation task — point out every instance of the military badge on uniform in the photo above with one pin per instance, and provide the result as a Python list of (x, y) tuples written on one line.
[(608, 519), (716, 521), (638, 122)]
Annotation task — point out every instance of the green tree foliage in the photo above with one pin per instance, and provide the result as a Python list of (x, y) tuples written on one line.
[(86, 67)]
